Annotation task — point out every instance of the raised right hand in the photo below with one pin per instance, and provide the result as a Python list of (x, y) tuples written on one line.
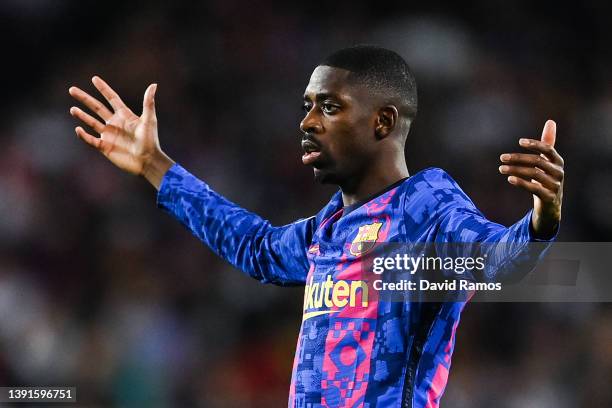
[(127, 140)]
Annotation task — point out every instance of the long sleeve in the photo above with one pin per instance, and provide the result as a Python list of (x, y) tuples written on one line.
[(511, 252), (248, 242)]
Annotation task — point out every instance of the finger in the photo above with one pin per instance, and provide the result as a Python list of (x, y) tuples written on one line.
[(111, 96), (534, 160), (549, 133), (89, 120), (148, 102), (532, 173), (91, 102), (543, 148), (534, 188), (91, 140)]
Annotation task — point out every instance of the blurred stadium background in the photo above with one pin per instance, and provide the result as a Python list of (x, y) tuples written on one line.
[(101, 290)]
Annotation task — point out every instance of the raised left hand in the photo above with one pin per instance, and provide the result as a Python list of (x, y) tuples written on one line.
[(542, 175)]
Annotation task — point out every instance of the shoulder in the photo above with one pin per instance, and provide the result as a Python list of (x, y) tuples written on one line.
[(434, 177), (437, 188)]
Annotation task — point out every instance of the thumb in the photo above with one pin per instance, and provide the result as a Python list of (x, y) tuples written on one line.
[(148, 103), (549, 134)]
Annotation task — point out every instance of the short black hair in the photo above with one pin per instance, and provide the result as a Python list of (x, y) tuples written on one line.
[(380, 69)]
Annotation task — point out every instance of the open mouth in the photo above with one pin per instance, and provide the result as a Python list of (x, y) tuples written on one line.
[(311, 152)]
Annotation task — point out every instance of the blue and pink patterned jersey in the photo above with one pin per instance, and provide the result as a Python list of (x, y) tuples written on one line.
[(355, 349)]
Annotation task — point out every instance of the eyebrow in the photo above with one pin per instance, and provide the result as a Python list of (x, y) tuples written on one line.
[(322, 96)]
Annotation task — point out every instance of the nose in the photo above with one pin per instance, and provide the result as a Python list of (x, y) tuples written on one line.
[(311, 123)]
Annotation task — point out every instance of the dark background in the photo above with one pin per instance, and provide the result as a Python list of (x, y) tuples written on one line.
[(101, 290)]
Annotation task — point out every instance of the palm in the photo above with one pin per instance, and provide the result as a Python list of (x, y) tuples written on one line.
[(126, 139)]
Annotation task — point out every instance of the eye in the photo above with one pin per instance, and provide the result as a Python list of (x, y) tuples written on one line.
[(329, 108), (306, 107)]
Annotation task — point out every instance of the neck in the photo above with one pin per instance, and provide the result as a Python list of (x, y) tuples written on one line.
[(375, 179)]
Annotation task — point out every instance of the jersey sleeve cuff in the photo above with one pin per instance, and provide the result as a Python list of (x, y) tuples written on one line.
[(172, 180), (531, 233)]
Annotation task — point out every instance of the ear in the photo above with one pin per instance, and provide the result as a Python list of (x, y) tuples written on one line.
[(386, 120)]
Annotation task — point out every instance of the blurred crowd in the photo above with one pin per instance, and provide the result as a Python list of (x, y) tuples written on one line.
[(101, 290)]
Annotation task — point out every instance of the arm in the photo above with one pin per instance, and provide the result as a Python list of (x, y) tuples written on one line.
[(248, 242), (245, 240), (508, 249), (511, 252)]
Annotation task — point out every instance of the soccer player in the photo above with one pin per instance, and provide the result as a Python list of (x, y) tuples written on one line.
[(353, 350)]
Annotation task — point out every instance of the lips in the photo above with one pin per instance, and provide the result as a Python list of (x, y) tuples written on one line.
[(310, 158), (309, 146), (311, 151)]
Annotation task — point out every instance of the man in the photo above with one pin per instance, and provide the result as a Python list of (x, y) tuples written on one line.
[(353, 350)]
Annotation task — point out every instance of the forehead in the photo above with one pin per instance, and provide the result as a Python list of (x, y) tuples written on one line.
[(328, 80)]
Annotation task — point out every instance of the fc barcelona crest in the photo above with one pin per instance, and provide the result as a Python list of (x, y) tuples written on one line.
[(366, 238)]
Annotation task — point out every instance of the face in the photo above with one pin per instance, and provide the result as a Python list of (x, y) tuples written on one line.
[(338, 129)]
